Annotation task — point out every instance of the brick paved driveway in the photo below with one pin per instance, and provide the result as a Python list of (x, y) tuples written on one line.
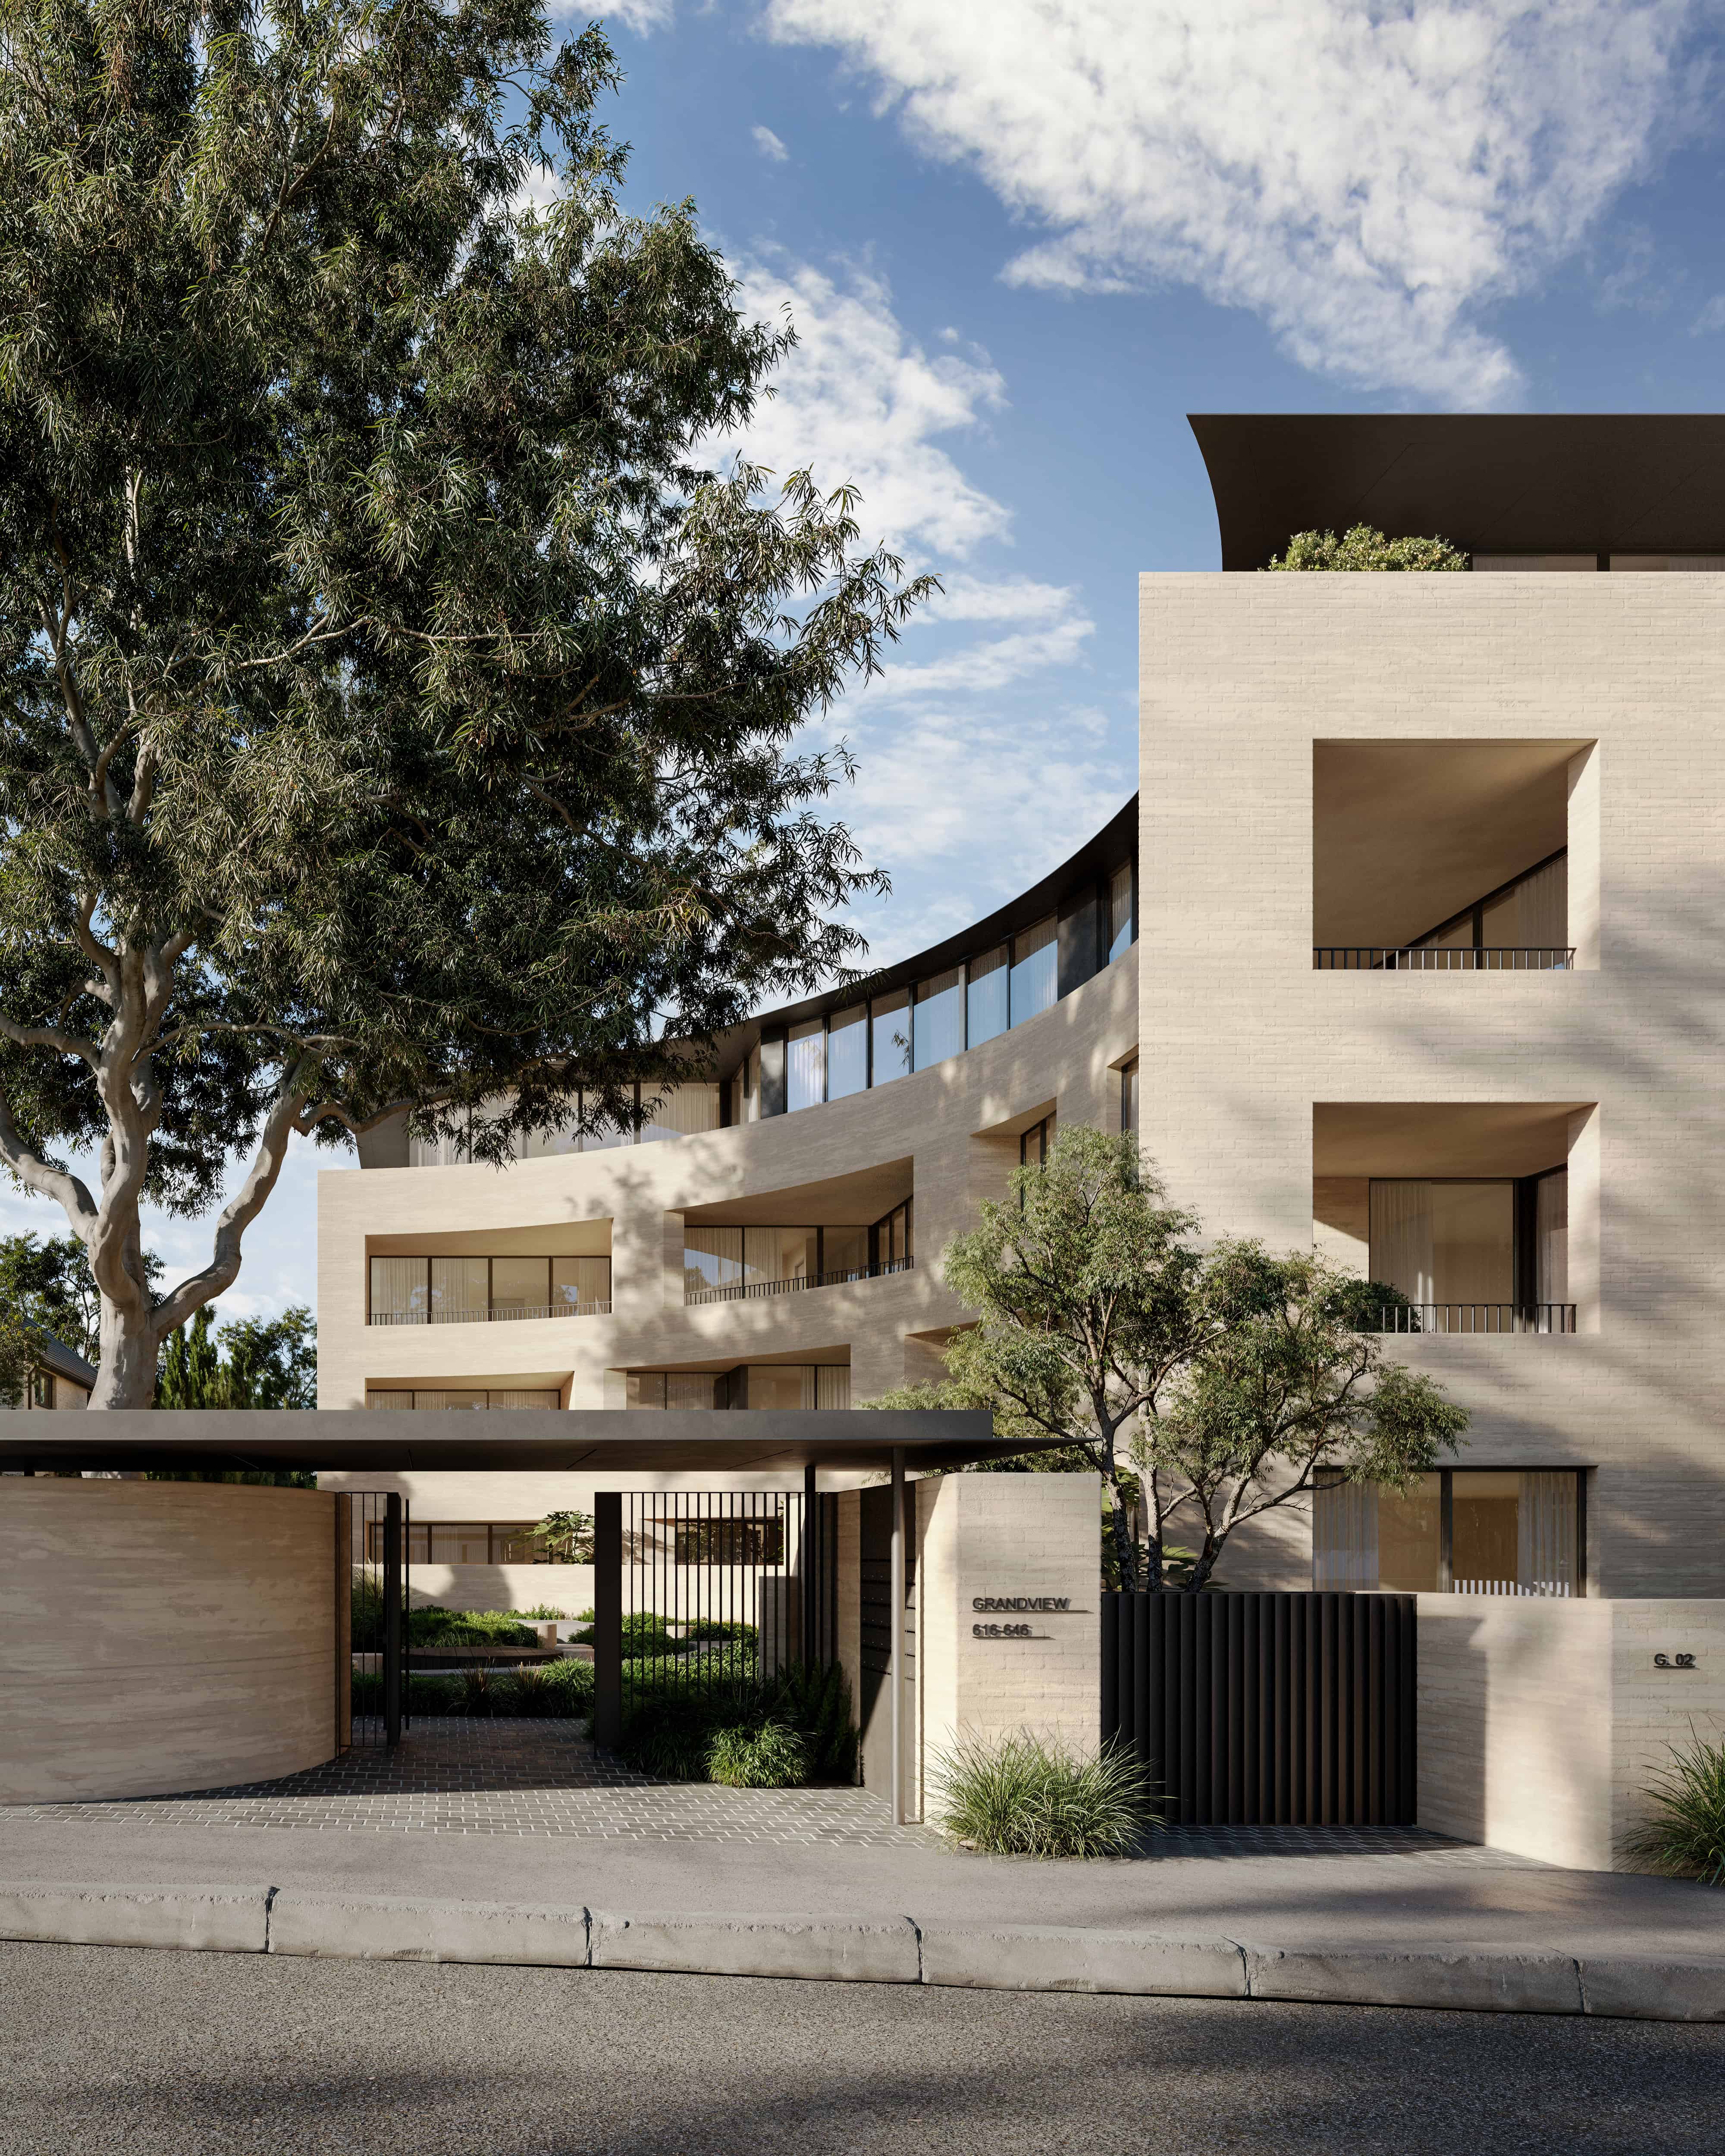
[(454, 1774)]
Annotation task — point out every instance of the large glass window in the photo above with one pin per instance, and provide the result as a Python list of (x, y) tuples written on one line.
[(1129, 1097), (779, 1385), (986, 997), (1446, 1245), (1120, 911), (1551, 1229), (400, 1288), (1035, 970), (847, 1053), (520, 1286), (712, 1258), (683, 1111), (458, 1287), (889, 1024), (806, 1065), (939, 1026), (1464, 1531), (844, 1253), (395, 1396), (894, 1235), (777, 1254)]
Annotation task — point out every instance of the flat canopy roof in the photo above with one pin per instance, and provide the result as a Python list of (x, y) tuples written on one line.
[(1572, 483), (585, 1441)]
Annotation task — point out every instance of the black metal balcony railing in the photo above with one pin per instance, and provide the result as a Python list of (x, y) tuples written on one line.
[(747, 1290), (1385, 958), (497, 1315), (1476, 1317)]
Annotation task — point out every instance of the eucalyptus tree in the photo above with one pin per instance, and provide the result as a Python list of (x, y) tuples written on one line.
[(398, 699)]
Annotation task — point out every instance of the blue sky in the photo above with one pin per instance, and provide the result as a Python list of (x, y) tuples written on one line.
[(1021, 241)]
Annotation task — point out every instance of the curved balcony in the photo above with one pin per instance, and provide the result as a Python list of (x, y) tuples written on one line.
[(751, 1290)]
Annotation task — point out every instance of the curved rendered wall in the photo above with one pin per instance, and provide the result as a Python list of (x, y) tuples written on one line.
[(162, 1636)]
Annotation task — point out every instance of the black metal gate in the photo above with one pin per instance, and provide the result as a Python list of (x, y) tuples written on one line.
[(381, 1529), (1266, 1710), (698, 1590)]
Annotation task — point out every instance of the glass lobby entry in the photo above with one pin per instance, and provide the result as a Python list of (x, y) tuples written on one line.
[(1461, 1531)]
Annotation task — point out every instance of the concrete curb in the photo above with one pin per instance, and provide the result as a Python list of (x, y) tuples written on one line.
[(1474, 1977)]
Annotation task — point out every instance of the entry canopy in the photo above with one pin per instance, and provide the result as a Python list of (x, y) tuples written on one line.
[(583, 1441)]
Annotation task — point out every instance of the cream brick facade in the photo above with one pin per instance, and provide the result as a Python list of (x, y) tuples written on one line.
[(1541, 1722), (1623, 678)]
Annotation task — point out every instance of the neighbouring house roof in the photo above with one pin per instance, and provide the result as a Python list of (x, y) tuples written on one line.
[(1568, 483), (54, 1354)]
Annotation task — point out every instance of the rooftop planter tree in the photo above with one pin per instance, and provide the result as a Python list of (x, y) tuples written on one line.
[(1361, 547), (396, 706)]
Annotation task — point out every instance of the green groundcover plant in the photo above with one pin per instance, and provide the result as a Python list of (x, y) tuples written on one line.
[(556, 1691), (1685, 1837), (1028, 1795), (794, 1730)]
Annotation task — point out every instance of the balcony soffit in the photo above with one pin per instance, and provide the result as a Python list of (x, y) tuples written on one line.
[(838, 1201), (1440, 1138), (1406, 833), (562, 1238)]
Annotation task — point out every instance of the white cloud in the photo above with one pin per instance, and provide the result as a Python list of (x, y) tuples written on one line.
[(1364, 178), (859, 399), (1711, 318), (643, 17), (987, 668), (769, 145), (1012, 598)]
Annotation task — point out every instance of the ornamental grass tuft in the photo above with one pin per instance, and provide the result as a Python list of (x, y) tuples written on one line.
[(762, 1755), (1685, 1838), (1033, 1796)]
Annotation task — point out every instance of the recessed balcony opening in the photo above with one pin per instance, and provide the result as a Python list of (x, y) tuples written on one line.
[(499, 1275), (1455, 856), (1461, 1212), (819, 1381), (825, 1234)]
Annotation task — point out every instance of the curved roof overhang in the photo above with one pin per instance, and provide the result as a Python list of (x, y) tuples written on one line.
[(1572, 483), (596, 1441)]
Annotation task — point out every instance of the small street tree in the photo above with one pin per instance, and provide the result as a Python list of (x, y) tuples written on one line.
[(396, 701), (1207, 1387)]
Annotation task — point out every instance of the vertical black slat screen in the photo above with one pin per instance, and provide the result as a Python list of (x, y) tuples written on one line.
[(1273, 1709)]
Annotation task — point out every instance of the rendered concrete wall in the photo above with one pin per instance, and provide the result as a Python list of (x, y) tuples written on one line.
[(1541, 1721), (162, 1636), (1240, 676)]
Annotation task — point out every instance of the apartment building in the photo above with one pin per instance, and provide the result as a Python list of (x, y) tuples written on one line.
[(1430, 963), (1414, 921), (763, 1243)]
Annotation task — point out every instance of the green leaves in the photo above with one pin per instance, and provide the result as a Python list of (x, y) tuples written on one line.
[(395, 709), (1362, 547), (1206, 1386)]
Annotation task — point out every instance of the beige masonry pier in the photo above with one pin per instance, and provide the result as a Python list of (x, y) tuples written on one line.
[(1003, 1613), (162, 1636), (1542, 1721)]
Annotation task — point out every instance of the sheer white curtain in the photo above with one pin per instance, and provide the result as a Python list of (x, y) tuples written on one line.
[(1401, 1239), (1344, 1535), (1552, 1219), (1545, 1534)]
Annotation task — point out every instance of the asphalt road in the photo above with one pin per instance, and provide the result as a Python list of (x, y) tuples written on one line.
[(189, 2054)]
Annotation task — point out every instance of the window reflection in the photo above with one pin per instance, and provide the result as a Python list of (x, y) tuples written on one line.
[(1035, 970), (938, 1030), (848, 1053), (806, 1065), (985, 997), (1120, 897), (889, 1024)]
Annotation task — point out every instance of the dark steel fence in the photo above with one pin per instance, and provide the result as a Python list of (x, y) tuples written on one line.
[(379, 1639), (1266, 1710), (695, 1591), (1464, 958)]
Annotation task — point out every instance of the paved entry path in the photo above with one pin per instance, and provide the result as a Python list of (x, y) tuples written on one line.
[(527, 1811)]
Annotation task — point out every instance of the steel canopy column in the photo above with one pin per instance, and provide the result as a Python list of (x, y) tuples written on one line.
[(607, 1618), (896, 1674), (393, 1646)]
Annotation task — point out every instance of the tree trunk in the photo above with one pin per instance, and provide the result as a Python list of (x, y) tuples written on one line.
[(125, 1375)]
